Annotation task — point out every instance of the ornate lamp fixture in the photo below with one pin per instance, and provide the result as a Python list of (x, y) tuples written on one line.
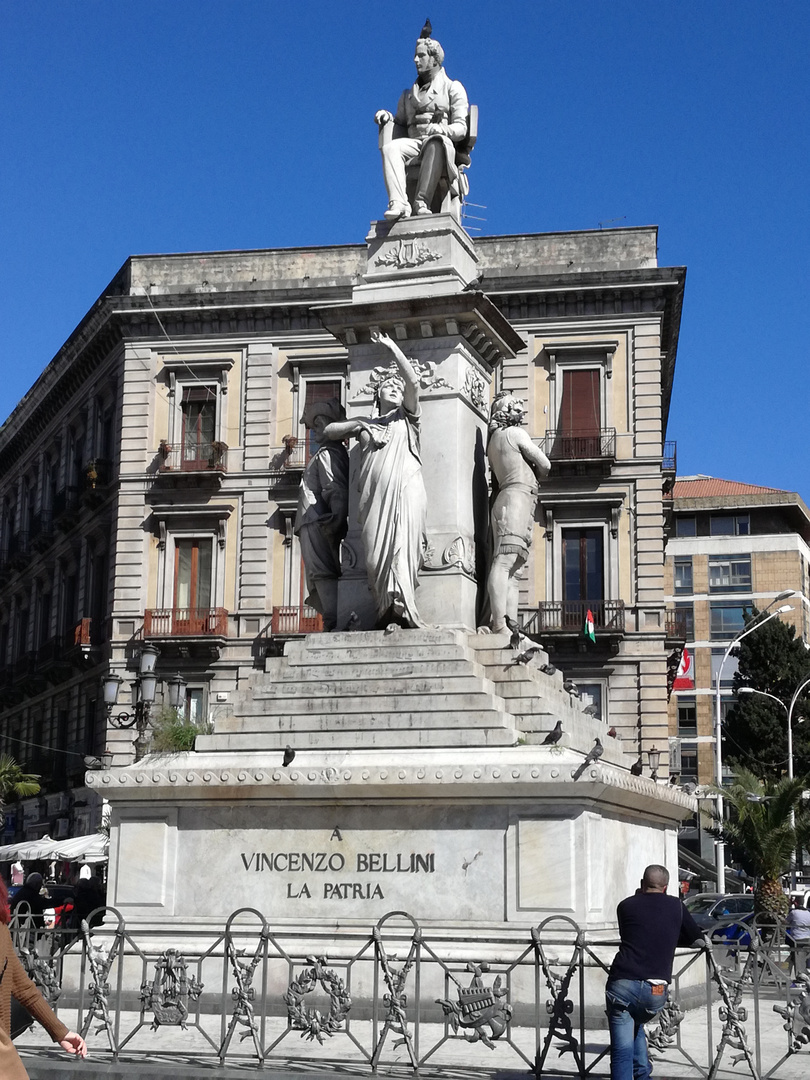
[(655, 757), (146, 688)]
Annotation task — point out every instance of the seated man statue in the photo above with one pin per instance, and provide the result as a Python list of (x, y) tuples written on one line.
[(434, 114)]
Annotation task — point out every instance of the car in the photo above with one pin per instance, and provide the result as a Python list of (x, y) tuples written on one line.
[(710, 909), (735, 930)]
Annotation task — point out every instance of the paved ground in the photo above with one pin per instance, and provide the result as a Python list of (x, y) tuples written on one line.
[(144, 1057)]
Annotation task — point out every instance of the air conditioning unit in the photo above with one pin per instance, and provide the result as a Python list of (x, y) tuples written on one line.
[(62, 829), (57, 804)]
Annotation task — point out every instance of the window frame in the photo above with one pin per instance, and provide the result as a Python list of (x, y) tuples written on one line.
[(736, 519), (723, 633), (683, 561), (731, 561)]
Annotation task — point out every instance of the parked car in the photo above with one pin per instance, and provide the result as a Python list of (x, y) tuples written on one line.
[(710, 909), (735, 930)]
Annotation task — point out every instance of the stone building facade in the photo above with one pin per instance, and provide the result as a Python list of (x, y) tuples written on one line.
[(731, 545), (149, 483)]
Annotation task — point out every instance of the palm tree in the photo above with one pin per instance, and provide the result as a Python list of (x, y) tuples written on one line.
[(14, 782), (760, 829)]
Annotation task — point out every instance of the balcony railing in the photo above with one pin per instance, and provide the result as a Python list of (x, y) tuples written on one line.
[(580, 445), (186, 622), (194, 457), (675, 623), (296, 620), (670, 457), (568, 616)]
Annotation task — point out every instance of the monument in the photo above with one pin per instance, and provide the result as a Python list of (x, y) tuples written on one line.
[(436, 769)]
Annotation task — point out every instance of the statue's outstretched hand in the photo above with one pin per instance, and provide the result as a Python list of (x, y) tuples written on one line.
[(379, 338), (382, 116)]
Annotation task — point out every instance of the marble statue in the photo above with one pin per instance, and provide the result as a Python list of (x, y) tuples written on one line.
[(433, 112), (516, 465), (393, 504), (323, 507)]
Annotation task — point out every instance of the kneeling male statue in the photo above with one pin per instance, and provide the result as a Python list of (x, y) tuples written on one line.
[(434, 114)]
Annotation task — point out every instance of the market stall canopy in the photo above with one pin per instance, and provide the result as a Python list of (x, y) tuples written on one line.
[(89, 849)]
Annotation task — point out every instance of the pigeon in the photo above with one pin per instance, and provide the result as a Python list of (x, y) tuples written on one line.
[(427, 29), (514, 640), (289, 756), (525, 657), (673, 780), (593, 755), (636, 768), (554, 736), (592, 710), (571, 687), (613, 733), (354, 621), (548, 669)]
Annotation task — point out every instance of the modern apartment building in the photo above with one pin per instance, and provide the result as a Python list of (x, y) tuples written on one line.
[(731, 545), (149, 485)]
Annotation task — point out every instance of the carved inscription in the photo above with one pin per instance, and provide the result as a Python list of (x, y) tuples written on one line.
[(337, 868)]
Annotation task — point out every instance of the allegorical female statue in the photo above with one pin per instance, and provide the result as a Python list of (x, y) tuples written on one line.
[(393, 502), (323, 507)]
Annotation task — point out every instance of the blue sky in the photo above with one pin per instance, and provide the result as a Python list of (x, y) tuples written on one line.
[(189, 125)]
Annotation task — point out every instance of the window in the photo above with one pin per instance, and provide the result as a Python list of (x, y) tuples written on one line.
[(687, 717), (199, 408), (192, 577), (580, 418), (729, 668), (730, 525), (583, 564), (591, 694), (319, 391), (685, 526), (685, 614), (727, 620), (195, 700), (683, 574), (729, 573), (689, 762)]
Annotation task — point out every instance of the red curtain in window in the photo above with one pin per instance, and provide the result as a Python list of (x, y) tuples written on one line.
[(580, 413)]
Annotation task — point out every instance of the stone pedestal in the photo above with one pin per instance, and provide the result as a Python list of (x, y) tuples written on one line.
[(417, 290)]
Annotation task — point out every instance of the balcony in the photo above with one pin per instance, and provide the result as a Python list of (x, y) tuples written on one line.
[(202, 458), (61, 656), (566, 618), (579, 452), (675, 625), (185, 623), (292, 619)]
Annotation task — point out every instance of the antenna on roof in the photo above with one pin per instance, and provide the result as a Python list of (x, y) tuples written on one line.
[(611, 220)]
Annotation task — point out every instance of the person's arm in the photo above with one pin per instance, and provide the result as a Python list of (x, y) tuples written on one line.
[(410, 398), (28, 995), (339, 430), (459, 108)]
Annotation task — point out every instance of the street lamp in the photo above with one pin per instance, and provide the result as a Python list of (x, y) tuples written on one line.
[(789, 713), (654, 756), (720, 847), (146, 688)]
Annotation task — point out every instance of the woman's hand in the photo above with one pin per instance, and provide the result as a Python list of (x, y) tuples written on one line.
[(74, 1044)]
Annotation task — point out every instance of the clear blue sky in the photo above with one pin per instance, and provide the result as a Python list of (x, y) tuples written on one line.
[(134, 126)]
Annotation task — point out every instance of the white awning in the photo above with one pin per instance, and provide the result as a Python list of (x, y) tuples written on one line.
[(89, 849)]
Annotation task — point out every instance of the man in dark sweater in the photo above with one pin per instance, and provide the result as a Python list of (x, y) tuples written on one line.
[(651, 926)]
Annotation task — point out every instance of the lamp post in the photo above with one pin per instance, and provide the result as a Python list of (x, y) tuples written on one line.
[(146, 688), (654, 756), (720, 847), (789, 714)]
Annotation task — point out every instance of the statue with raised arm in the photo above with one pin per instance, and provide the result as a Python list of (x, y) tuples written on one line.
[(393, 503), (323, 508), (516, 465), (433, 114)]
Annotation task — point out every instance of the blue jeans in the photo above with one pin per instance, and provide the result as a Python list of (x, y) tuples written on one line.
[(630, 1003)]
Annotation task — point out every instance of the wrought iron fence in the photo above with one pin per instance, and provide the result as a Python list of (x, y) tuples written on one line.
[(399, 994)]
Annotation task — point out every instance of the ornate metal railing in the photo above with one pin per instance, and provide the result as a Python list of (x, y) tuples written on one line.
[(193, 457), (185, 622), (580, 445), (568, 616), (398, 994), (292, 619)]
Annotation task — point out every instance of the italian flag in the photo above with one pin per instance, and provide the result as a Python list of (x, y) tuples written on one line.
[(588, 629)]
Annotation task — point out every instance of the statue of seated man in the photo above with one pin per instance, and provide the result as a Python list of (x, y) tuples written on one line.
[(434, 114)]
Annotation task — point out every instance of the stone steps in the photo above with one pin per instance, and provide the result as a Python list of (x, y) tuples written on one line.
[(342, 740), (379, 720), (409, 699), (354, 679)]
